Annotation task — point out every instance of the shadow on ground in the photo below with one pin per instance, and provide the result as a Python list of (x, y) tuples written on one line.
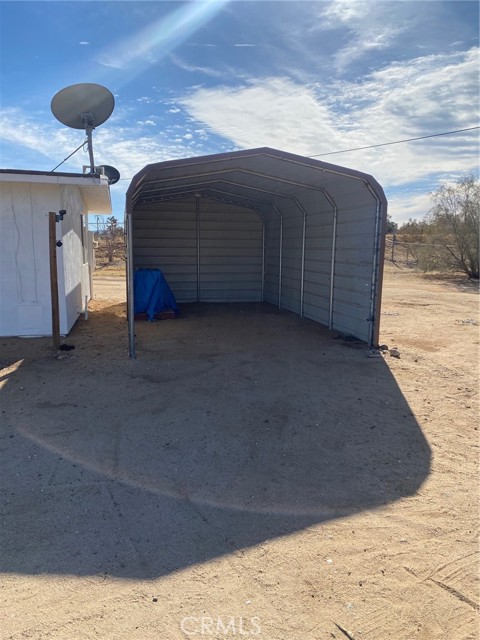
[(236, 424), (456, 280)]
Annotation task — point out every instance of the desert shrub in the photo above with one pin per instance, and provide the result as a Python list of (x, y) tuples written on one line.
[(447, 239)]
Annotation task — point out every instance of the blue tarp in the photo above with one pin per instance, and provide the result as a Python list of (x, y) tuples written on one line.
[(152, 293)]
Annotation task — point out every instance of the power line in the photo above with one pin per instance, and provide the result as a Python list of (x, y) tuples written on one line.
[(384, 144), (372, 146)]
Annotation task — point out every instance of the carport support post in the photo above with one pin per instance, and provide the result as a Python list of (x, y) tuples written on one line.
[(377, 270), (280, 258), (197, 222), (130, 293), (302, 283), (52, 245), (332, 267), (263, 260)]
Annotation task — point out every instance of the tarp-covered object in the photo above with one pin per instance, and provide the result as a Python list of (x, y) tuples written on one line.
[(152, 294)]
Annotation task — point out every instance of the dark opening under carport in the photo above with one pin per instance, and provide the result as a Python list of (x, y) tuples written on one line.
[(262, 225)]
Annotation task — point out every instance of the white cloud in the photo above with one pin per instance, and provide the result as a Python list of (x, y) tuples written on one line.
[(268, 112), (19, 129), (370, 25), (427, 95), (43, 146), (405, 206), (84, 42)]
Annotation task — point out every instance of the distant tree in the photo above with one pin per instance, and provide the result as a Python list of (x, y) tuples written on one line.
[(452, 230), (392, 226), (413, 231), (111, 235)]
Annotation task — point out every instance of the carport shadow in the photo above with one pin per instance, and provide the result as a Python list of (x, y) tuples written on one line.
[(228, 430)]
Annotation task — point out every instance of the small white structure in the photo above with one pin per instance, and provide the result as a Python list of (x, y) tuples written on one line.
[(26, 198)]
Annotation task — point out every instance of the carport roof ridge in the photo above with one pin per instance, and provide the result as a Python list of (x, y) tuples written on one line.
[(159, 180)]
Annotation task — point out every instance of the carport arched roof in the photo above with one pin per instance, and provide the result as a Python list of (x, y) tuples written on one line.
[(262, 174), (289, 186)]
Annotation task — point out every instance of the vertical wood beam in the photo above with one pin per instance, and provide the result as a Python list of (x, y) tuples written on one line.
[(52, 244)]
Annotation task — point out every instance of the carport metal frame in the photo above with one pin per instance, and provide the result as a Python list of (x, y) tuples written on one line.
[(209, 189)]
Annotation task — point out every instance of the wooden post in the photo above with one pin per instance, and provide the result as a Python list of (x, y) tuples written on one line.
[(52, 243)]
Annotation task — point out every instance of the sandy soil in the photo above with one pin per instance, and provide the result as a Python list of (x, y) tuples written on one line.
[(249, 475)]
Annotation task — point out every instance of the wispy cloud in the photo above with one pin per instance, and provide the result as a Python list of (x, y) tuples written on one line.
[(84, 42), (161, 37), (201, 44), (208, 71), (267, 111), (370, 25), (405, 206), (20, 129), (125, 148), (400, 101)]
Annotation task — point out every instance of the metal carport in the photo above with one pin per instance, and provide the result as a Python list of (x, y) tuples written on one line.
[(262, 225)]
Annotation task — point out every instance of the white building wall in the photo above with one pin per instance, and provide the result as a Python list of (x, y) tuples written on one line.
[(25, 302), (71, 259), (24, 259)]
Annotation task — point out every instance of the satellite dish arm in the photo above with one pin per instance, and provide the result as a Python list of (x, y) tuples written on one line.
[(88, 121), (65, 159)]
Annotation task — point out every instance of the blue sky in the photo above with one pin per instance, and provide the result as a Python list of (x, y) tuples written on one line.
[(206, 77)]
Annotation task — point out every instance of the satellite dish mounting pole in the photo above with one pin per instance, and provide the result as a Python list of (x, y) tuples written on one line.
[(88, 121)]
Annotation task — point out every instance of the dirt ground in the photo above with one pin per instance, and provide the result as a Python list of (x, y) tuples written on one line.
[(248, 475)]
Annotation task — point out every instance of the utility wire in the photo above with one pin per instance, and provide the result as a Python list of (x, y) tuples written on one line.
[(331, 153), (384, 144), (77, 149)]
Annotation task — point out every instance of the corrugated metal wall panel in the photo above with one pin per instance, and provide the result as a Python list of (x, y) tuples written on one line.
[(316, 308), (362, 244), (356, 214), (230, 244), (272, 256), (352, 321), (164, 237), (357, 227), (318, 260), (355, 247), (230, 253), (292, 257)]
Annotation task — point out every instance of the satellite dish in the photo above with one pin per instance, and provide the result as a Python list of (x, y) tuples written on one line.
[(112, 174), (83, 106)]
